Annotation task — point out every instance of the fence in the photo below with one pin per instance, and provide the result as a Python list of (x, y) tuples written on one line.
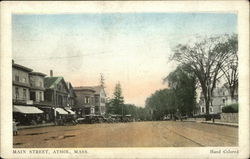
[(229, 117)]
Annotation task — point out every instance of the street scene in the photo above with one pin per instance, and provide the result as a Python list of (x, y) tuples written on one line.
[(134, 134), (125, 80)]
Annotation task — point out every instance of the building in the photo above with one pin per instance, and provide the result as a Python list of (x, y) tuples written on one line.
[(100, 100), (56, 93), (85, 103), (37, 87), (220, 98), (90, 100), (71, 96), (21, 84)]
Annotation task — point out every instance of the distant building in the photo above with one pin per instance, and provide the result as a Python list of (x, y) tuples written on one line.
[(220, 98), (90, 100), (100, 100)]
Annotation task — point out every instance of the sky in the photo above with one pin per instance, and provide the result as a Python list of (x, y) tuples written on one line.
[(130, 48)]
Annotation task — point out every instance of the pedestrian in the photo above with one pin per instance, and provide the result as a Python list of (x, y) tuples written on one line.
[(15, 127)]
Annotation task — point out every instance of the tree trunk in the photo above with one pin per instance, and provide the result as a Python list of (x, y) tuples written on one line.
[(207, 109)]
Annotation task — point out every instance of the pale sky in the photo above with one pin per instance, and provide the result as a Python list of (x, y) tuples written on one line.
[(126, 47)]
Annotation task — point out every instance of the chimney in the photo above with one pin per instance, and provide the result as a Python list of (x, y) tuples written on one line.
[(51, 73)]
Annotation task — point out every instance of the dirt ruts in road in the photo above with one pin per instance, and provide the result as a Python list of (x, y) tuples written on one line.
[(134, 134)]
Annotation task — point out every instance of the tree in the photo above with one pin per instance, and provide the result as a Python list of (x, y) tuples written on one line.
[(160, 103), (230, 71), (205, 58), (117, 102), (183, 83)]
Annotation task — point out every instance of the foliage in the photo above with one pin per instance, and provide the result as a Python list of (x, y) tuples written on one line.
[(233, 108), (230, 69), (205, 58), (183, 83), (160, 103), (116, 104)]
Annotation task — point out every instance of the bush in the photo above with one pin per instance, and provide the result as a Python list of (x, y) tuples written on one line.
[(232, 108)]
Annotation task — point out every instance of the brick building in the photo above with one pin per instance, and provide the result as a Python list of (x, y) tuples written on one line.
[(90, 100)]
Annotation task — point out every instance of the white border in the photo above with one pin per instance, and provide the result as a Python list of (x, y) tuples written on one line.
[(240, 7)]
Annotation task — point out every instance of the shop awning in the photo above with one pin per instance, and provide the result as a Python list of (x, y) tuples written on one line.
[(70, 111), (27, 109), (61, 111)]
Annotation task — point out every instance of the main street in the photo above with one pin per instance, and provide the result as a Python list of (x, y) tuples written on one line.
[(134, 134)]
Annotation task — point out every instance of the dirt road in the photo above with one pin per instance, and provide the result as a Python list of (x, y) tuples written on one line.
[(135, 134)]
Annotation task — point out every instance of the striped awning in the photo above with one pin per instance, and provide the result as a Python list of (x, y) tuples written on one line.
[(27, 109), (61, 111)]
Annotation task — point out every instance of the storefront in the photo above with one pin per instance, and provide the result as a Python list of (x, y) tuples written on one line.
[(27, 115)]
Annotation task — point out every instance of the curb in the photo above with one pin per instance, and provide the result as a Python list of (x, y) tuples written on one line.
[(224, 124), (34, 126), (215, 123)]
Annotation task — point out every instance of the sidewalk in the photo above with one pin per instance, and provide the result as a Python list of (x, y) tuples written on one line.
[(35, 126), (215, 122), (221, 123)]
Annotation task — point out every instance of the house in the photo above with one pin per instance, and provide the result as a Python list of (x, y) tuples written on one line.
[(56, 93), (90, 100), (100, 100), (220, 98)]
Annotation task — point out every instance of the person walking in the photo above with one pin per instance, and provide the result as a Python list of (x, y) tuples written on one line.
[(15, 127)]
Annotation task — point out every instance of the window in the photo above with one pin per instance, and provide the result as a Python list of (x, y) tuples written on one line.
[(17, 92), (41, 84), (40, 95), (223, 100), (24, 80), (211, 110), (24, 94), (96, 99), (202, 110), (103, 100), (86, 99), (16, 78)]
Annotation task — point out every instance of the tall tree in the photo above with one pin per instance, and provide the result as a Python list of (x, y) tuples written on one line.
[(205, 58), (117, 102)]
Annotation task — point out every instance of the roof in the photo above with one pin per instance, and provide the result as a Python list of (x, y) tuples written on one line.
[(84, 88), (51, 82), (38, 74), (96, 89), (21, 67)]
